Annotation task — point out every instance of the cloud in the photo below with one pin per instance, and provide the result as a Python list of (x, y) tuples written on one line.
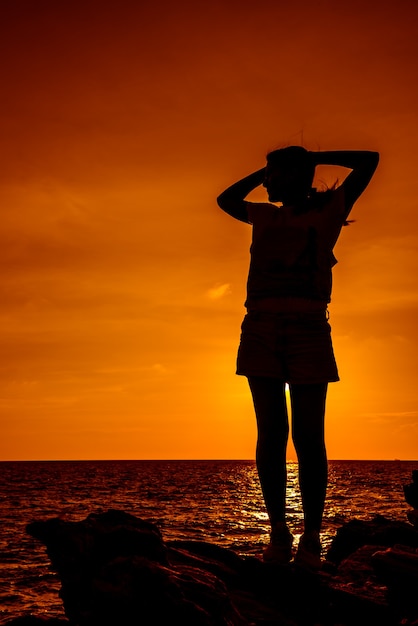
[(409, 417), (219, 291), (159, 368)]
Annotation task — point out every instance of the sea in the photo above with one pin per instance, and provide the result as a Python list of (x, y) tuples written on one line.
[(215, 501)]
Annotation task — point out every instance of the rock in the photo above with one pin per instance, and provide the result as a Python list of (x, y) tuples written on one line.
[(377, 532), (366, 555), (411, 497), (411, 491), (357, 591), (413, 517), (397, 567), (116, 570), (99, 539)]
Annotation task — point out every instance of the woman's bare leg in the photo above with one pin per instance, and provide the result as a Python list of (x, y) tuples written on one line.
[(273, 429), (308, 415)]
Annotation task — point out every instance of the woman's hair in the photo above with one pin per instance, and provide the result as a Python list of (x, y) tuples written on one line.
[(293, 157), (297, 157)]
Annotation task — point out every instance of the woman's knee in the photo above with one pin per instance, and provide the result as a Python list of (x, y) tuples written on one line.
[(308, 418), (308, 442)]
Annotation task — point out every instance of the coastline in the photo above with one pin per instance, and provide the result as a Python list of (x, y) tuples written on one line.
[(117, 569)]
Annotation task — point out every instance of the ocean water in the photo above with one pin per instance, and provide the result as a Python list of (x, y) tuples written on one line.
[(216, 501)]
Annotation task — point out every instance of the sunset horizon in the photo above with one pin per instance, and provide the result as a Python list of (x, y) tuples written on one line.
[(196, 460)]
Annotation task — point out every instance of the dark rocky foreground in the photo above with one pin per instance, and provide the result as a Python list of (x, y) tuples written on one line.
[(116, 570)]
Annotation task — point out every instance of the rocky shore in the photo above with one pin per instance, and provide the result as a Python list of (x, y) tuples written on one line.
[(117, 570)]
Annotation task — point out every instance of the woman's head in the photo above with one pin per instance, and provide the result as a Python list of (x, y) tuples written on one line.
[(289, 174)]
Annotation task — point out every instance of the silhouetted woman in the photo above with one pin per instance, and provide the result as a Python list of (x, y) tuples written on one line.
[(286, 337)]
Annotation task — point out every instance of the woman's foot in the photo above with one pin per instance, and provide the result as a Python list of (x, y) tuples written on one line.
[(279, 550), (308, 555)]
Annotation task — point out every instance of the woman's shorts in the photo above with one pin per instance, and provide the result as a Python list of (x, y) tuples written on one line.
[(294, 347)]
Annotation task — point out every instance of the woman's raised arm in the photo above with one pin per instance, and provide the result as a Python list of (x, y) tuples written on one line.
[(363, 164), (232, 199)]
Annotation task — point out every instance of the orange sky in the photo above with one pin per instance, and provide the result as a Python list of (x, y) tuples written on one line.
[(123, 283)]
